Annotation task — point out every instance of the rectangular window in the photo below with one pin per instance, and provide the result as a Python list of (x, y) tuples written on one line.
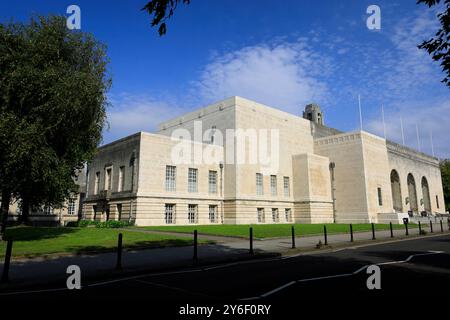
[(71, 206), (97, 182), (121, 184), (259, 184), (108, 178), (192, 180), (87, 183), (275, 215), (288, 214), (437, 202), (212, 181), (171, 173), (261, 217), (192, 213), (273, 185), (380, 198), (119, 211), (169, 215), (286, 185), (213, 214), (48, 210)]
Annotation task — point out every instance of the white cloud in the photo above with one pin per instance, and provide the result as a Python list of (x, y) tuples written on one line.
[(286, 75), (133, 113), (430, 118)]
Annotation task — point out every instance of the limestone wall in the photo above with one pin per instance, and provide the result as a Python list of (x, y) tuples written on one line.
[(405, 160), (346, 151), (312, 189)]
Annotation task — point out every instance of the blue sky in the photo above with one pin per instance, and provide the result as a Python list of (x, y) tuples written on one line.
[(281, 53)]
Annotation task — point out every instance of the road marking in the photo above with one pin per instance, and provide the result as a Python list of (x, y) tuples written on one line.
[(238, 263), (340, 275), (278, 289)]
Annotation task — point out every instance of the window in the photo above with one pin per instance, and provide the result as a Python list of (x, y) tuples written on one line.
[(261, 217), (19, 208), (213, 214), (380, 198), (287, 191), (273, 185), (121, 184), (213, 132), (71, 206), (87, 182), (96, 184), (48, 210), (192, 213), (192, 180), (212, 181), (169, 216), (108, 178), (119, 211), (275, 215), (437, 201), (171, 172), (288, 214), (259, 184)]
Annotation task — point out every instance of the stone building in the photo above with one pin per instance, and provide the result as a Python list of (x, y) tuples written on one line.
[(70, 211), (320, 174)]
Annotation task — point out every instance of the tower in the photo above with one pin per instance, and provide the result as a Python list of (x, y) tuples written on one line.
[(313, 113)]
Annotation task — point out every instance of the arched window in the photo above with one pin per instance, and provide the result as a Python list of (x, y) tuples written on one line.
[(396, 191), (412, 193), (426, 195)]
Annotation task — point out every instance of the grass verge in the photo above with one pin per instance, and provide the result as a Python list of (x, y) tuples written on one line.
[(38, 241), (274, 230)]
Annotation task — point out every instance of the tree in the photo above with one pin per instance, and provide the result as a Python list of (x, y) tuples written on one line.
[(53, 85), (445, 172), (438, 46), (162, 10)]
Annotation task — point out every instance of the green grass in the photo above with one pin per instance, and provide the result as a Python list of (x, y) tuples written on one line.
[(273, 230), (34, 241)]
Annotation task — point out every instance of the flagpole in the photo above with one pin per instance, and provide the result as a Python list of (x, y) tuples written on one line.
[(403, 134), (360, 113), (431, 140), (384, 124), (417, 133)]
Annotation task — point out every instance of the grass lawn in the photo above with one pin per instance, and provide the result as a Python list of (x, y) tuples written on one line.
[(34, 241), (274, 230)]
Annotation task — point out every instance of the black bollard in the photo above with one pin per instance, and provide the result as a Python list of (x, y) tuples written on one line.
[(5, 275), (195, 246), (406, 229), (420, 228), (431, 226), (251, 240), (373, 231), (293, 237), (442, 227), (392, 231), (351, 232), (119, 252), (325, 234)]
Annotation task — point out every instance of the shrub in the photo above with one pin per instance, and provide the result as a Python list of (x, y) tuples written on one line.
[(98, 224), (113, 224)]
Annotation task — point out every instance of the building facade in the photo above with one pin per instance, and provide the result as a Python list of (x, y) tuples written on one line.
[(69, 211), (208, 167)]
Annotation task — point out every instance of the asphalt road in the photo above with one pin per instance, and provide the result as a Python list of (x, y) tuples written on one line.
[(413, 269)]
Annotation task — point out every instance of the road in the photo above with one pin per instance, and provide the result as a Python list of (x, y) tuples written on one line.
[(411, 269)]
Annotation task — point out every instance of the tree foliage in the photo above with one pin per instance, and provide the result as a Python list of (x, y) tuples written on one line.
[(162, 10), (53, 85), (438, 46), (445, 172)]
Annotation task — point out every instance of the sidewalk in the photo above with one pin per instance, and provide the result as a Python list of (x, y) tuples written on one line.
[(26, 272)]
